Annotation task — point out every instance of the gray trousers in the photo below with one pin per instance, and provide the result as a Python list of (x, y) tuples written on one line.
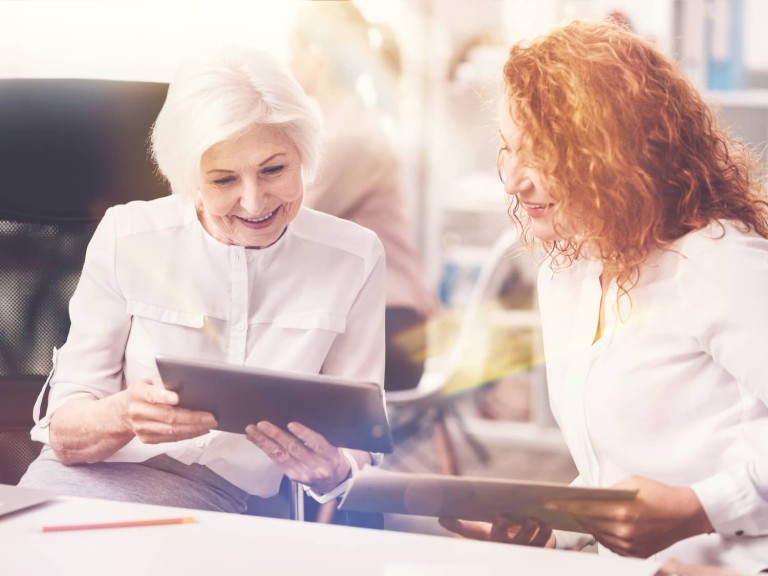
[(160, 480)]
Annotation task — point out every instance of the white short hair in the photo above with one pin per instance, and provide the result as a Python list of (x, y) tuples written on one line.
[(216, 98)]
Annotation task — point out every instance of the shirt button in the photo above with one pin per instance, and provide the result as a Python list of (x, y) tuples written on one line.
[(240, 326), (200, 443), (739, 532)]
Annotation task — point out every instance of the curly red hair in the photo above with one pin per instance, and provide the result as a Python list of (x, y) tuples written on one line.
[(626, 145)]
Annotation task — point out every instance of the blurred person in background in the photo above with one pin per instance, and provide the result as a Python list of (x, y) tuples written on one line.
[(351, 67)]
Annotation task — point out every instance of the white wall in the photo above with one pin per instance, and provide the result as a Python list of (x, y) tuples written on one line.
[(755, 37), (139, 40)]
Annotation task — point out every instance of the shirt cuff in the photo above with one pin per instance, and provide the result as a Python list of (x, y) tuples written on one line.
[(733, 503), (341, 488), (328, 496)]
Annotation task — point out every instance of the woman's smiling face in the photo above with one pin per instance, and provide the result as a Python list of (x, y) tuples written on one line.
[(251, 187), (525, 183)]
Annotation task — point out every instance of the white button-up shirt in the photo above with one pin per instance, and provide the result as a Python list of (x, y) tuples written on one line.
[(154, 282), (676, 388)]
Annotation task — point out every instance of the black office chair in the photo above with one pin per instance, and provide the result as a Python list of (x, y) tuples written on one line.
[(68, 150)]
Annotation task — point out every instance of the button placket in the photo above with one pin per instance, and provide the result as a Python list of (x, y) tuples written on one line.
[(238, 305)]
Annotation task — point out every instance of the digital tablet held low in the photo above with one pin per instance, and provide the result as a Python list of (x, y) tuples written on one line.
[(467, 498), (348, 414)]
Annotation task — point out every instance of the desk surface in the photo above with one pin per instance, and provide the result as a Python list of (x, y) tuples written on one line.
[(219, 543)]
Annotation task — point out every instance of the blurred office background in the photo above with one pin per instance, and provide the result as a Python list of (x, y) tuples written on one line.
[(441, 116)]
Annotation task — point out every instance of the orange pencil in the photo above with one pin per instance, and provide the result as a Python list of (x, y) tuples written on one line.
[(126, 524)]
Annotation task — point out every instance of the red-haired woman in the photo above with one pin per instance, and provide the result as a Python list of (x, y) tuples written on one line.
[(653, 295)]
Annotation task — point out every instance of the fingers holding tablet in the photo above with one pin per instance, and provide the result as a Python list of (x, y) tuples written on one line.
[(303, 454), (149, 411)]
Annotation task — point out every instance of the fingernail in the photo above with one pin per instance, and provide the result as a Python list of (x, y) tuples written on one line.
[(251, 429)]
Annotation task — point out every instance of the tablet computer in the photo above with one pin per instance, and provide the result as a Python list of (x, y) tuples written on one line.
[(348, 414), (468, 498)]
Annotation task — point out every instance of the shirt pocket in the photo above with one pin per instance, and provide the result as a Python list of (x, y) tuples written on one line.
[(165, 315), (296, 341), (160, 330)]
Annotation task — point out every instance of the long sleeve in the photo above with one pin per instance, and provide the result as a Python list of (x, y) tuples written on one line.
[(89, 364), (724, 283)]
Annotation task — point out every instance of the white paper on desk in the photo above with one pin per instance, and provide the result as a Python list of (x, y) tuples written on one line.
[(15, 498), (468, 498)]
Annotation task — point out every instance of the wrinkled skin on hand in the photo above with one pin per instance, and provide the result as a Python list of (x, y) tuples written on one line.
[(150, 412), (302, 454)]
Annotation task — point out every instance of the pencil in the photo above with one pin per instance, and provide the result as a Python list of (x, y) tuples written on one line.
[(125, 524)]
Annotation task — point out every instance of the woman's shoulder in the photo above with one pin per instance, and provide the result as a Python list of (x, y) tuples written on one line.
[(721, 255), (335, 233), (144, 216), (722, 240)]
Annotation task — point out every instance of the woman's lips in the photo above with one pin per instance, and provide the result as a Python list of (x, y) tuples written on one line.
[(537, 210), (260, 222)]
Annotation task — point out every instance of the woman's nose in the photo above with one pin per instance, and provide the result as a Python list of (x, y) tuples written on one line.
[(517, 180), (253, 199)]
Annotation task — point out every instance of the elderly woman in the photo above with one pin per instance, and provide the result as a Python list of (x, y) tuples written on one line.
[(652, 296), (228, 268)]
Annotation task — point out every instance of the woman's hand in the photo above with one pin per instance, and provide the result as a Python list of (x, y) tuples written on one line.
[(304, 455), (87, 430), (529, 533), (658, 517), (149, 411)]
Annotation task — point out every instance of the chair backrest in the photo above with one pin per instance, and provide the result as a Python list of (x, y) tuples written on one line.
[(68, 150)]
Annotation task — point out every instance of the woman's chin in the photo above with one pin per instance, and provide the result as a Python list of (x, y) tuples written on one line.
[(544, 232), (260, 238)]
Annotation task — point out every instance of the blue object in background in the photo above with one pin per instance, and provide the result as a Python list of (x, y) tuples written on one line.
[(725, 31)]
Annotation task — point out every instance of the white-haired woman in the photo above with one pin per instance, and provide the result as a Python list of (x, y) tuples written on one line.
[(228, 268)]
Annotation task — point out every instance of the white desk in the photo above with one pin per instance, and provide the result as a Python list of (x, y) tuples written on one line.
[(223, 544)]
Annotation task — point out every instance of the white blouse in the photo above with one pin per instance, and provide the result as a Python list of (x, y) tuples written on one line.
[(676, 388), (154, 282)]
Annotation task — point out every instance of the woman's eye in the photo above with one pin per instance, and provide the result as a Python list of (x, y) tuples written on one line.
[(224, 181), (273, 170)]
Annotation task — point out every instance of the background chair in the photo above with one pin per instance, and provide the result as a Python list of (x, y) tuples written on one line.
[(68, 150), (479, 355)]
